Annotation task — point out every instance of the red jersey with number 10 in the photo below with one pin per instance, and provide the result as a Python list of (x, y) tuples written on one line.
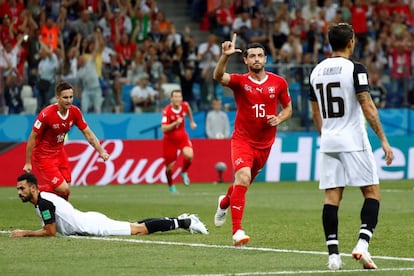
[(51, 128), (255, 100)]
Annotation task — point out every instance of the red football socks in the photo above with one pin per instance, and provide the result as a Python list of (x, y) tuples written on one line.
[(237, 203), (225, 202), (168, 174), (186, 165)]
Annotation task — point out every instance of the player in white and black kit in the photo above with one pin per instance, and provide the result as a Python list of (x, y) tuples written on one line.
[(340, 101), (58, 215)]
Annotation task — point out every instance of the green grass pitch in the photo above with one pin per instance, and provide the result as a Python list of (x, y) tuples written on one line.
[(282, 219)]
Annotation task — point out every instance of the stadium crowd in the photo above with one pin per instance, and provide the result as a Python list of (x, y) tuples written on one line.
[(102, 46)]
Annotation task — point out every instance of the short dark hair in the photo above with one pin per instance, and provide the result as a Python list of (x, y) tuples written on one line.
[(29, 177), (339, 35), (175, 91), (62, 85), (254, 45)]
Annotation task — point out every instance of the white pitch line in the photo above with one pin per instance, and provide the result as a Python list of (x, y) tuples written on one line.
[(233, 247), (264, 249), (301, 272)]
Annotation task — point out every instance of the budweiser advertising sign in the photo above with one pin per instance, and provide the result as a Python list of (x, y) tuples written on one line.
[(131, 162)]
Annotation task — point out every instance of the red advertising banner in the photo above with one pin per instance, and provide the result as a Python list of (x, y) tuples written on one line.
[(131, 162)]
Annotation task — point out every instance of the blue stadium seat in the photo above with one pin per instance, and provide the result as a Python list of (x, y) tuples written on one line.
[(126, 98)]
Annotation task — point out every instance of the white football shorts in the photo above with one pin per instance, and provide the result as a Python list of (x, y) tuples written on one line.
[(340, 169), (97, 224)]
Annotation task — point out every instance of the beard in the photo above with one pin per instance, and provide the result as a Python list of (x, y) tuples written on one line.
[(26, 198), (256, 68)]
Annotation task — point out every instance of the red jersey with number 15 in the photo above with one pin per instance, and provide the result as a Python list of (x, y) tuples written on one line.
[(51, 128), (255, 100), (169, 115)]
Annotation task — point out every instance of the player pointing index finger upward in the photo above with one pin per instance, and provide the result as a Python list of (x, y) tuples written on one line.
[(263, 102)]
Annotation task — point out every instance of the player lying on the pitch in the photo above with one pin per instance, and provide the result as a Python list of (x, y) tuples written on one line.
[(58, 215)]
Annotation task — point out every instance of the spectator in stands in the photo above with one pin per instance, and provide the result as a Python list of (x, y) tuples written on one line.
[(297, 23), (144, 96), (314, 39), (105, 23), (7, 30), (187, 81), (183, 70), (115, 80), (149, 6), (10, 57), (35, 8), (310, 10), (125, 49), (164, 23), (249, 5), (141, 24), (276, 40), (284, 17), (27, 23), (377, 55), (49, 32), (400, 57), (65, 26), (242, 23), (154, 63), (84, 25), (330, 9), (256, 33), (13, 93), (225, 16), (207, 56), (190, 48), (155, 34), (345, 9), (69, 65), (94, 7), (91, 95), (377, 89), (198, 9), (14, 9), (359, 21), (291, 51), (217, 122), (268, 12), (46, 72), (137, 67), (119, 21), (174, 38)]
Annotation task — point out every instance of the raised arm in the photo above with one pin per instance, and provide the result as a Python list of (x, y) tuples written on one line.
[(227, 49)]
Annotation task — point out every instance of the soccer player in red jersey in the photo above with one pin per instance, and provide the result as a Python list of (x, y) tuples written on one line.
[(44, 147), (176, 138), (258, 95)]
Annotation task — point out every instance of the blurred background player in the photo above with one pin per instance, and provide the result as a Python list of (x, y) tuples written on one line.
[(176, 138), (217, 122), (257, 94), (45, 145), (59, 216)]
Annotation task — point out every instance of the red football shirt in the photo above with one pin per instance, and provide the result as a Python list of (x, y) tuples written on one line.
[(255, 100), (52, 127), (170, 115)]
